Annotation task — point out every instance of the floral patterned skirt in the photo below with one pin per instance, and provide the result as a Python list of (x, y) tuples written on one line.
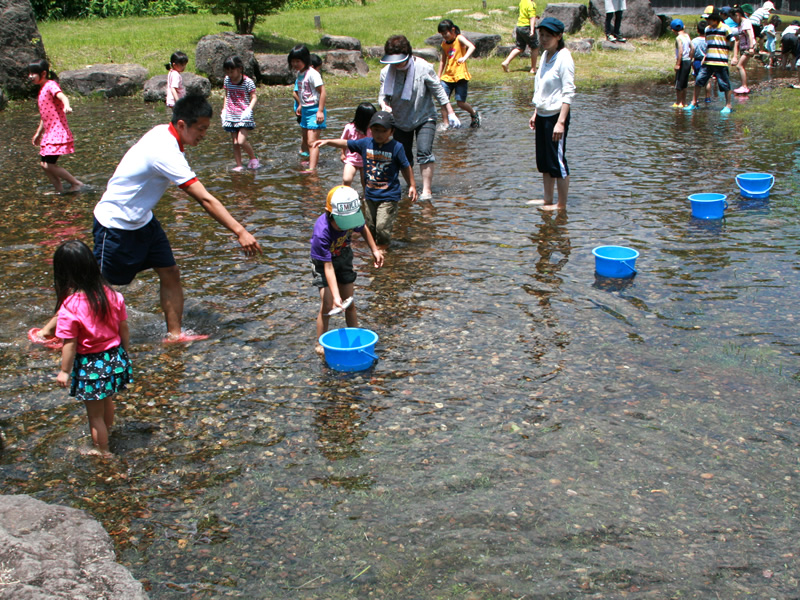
[(100, 374)]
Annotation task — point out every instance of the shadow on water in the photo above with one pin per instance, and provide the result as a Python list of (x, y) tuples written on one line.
[(531, 430)]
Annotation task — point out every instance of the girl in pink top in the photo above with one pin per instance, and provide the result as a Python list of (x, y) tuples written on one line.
[(175, 88), (53, 133), (93, 322), (357, 129)]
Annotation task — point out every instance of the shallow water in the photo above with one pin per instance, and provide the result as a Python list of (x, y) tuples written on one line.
[(530, 430)]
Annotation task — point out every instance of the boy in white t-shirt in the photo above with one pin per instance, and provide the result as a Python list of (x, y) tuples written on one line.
[(128, 238)]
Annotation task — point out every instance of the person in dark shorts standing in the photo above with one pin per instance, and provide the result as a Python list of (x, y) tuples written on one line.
[(525, 34)]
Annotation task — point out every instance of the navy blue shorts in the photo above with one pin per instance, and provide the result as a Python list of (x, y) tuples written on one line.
[(459, 87), (122, 254)]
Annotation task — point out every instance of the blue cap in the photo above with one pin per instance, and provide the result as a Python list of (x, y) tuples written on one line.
[(676, 24), (551, 24)]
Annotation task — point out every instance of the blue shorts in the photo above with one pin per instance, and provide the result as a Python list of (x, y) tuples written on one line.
[(122, 254), (308, 117), (460, 88), (707, 71)]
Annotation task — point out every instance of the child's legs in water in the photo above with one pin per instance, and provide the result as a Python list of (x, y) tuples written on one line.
[(312, 135), (743, 60), (349, 173), (326, 306), (101, 418), (243, 143), (56, 173), (237, 149)]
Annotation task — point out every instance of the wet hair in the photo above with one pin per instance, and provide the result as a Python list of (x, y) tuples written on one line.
[(301, 53), (701, 26), (191, 108), (233, 62), (39, 66), (448, 25), (177, 58), (397, 44), (75, 270), (316, 61), (364, 113)]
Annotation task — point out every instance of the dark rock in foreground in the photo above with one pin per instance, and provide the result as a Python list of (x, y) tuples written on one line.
[(212, 50), (49, 551), (572, 15)]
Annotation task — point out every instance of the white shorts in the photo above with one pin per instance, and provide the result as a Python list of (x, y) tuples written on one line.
[(615, 5)]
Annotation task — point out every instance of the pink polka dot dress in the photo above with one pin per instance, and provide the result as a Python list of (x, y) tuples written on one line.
[(56, 135)]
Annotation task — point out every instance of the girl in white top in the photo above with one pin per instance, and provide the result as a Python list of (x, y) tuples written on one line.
[(175, 89), (744, 47), (554, 88)]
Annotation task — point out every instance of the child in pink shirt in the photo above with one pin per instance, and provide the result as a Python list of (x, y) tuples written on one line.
[(53, 134), (355, 130), (93, 322), (175, 88)]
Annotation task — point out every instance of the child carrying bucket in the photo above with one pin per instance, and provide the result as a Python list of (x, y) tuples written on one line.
[(332, 256)]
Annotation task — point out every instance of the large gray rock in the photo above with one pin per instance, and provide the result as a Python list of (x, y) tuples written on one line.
[(344, 62), (56, 552), (573, 16), (20, 45), (373, 51), (212, 50), (485, 43), (341, 42), (429, 54), (155, 88), (104, 80), (274, 69), (504, 51), (638, 21)]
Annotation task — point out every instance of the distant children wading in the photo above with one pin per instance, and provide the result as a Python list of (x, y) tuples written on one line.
[(175, 88), (453, 72), (237, 114)]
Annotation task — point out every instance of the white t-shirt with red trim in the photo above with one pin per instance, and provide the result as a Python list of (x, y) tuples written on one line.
[(143, 175)]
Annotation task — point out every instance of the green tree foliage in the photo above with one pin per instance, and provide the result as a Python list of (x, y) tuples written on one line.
[(47, 10), (245, 12)]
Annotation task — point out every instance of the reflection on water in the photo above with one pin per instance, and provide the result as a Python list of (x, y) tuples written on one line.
[(530, 430)]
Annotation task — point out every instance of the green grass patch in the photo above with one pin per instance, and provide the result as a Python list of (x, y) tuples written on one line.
[(775, 114)]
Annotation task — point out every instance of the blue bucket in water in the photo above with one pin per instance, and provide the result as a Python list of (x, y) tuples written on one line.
[(615, 261), (349, 349), (755, 185), (708, 206)]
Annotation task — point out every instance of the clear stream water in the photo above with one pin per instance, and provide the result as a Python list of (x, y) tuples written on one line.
[(531, 431)]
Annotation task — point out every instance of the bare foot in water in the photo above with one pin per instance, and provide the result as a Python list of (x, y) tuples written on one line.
[(551, 207)]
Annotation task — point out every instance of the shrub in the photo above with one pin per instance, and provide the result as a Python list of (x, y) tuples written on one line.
[(245, 12)]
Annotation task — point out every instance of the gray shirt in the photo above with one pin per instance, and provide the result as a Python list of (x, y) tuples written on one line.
[(410, 114)]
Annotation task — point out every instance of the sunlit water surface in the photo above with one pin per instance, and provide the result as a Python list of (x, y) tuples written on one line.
[(530, 430)]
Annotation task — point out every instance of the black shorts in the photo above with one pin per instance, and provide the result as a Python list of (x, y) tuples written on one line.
[(789, 44), (524, 39), (550, 155), (50, 159), (122, 254), (682, 75), (342, 267)]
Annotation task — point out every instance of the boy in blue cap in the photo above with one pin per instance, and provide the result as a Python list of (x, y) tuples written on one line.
[(683, 61)]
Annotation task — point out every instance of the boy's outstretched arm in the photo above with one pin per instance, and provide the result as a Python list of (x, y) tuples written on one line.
[(408, 175), (216, 209), (377, 253), (336, 143)]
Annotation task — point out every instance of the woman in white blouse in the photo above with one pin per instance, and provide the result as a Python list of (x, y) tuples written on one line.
[(554, 88)]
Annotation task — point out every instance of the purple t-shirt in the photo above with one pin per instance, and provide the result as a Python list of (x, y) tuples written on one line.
[(327, 242)]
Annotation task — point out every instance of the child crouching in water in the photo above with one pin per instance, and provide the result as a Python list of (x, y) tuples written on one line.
[(93, 322), (332, 256)]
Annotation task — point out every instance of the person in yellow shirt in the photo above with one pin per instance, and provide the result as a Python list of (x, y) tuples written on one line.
[(453, 72), (525, 34)]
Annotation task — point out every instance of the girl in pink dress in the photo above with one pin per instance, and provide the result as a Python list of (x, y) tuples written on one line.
[(357, 129), (53, 134), (175, 88), (93, 322)]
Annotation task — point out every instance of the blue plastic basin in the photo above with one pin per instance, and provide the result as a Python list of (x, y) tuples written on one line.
[(755, 185), (349, 349), (615, 261), (708, 206)]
